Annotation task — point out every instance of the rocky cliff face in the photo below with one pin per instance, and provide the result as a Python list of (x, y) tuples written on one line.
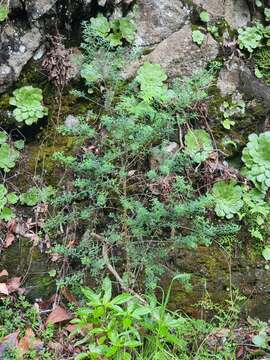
[(26, 28), (164, 27)]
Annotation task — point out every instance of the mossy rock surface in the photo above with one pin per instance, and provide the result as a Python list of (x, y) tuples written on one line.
[(211, 271)]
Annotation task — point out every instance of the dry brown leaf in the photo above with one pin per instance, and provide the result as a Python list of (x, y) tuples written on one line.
[(58, 315), (45, 304), (26, 342), (9, 239), (9, 342), (70, 328), (55, 257), (11, 226), (13, 284), (68, 295), (29, 341), (3, 273), (3, 289)]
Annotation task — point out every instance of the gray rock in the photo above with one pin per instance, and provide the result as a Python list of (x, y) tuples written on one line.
[(17, 46), (158, 19), (229, 76), (15, 4), (214, 7), (178, 54), (236, 75), (235, 12), (37, 8), (102, 2), (250, 85)]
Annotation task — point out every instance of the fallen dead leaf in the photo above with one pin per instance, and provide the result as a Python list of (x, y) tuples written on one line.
[(3, 289), (9, 342), (55, 257), (9, 239), (11, 225), (45, 304), (29, 342), (58, 315), (13, 284), (70, 328), (68, 295), (3, 273)]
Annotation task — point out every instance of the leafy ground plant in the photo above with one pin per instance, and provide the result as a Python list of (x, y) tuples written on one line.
[(197, 37), (198, 145), (3, 12), (125, 329), (122, 199), (228, 198), (256, 157), (36, 195), (29, 106), (252, 37), (6, 200), (114, 31), (8, 153)]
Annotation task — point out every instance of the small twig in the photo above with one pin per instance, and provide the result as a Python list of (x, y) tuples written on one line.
[(113, 271), (180, 136)]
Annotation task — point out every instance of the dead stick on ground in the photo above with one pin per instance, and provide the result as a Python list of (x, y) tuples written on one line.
[(113, 271)]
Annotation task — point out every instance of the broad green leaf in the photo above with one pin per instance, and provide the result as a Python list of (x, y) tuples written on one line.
[(266, 253), (107, 288), (122, 298)]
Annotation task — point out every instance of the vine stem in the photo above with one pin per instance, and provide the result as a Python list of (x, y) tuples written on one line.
[(113, 271)]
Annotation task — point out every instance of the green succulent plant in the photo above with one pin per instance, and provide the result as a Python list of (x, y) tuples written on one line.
[(114, 31), (256, 157), (36, 195), (198, 145), (227, 198), (8, 157), (6, 199), (28, 102), (262, 62), (197, 37), (252, 37), (151, 78), (9, 152), (3, 12)]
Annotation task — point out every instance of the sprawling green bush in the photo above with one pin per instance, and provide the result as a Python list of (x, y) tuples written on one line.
[(134, 209)]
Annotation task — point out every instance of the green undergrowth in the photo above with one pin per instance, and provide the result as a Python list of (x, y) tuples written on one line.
[(130, 194), (139, 178)]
